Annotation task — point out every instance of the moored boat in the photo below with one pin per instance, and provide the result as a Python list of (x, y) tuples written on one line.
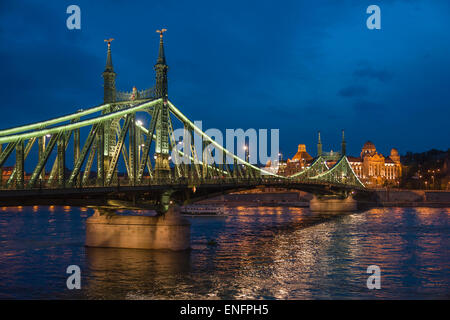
[(202, 210)]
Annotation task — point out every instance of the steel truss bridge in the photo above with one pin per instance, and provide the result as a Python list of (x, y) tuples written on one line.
[(76, 157)]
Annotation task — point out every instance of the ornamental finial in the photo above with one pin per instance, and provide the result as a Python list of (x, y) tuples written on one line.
[(109, 41), (161, 32)]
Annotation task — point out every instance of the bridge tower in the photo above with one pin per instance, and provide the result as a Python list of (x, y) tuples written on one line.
[(109, 78), (319, 147), (107, 132), (162, 167), (343, 144)]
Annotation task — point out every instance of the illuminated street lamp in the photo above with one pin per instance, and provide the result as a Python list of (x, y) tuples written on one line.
[(246, 153)]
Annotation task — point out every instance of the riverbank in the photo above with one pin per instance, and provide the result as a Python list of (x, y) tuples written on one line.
[(380, 198), (412, 198), (413, 204)]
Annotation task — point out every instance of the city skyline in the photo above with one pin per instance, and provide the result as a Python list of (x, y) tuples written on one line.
[(300, 73)]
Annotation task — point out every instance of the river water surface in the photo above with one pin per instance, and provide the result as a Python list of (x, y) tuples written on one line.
[(260, 253)]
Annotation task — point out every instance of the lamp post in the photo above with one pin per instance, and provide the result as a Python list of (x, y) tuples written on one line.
[(246, 155), (432, 177)]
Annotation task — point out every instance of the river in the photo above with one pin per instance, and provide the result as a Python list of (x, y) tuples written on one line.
[(256, 253)]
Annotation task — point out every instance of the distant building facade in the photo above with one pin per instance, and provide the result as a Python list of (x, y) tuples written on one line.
[(374, 169), (371, 167), (299, 161)]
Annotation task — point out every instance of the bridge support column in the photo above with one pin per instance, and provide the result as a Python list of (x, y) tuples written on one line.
[(41, 151), (132, 150), (169, 231), (61, 162), (101, 155), (20, 165), (162, 167), (332, 204)]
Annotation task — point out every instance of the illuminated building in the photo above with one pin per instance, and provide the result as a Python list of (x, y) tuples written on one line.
[(371, 167), (374, 169), (298, 162)]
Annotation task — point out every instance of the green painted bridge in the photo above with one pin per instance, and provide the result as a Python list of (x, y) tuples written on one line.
[(75, 159)]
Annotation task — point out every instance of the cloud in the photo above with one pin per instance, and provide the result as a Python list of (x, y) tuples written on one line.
[(370, 72), (353, 91)]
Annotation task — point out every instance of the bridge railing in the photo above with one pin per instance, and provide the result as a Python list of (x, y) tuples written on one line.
[(135, 95)]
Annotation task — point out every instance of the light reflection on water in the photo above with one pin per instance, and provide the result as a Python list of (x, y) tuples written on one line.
[(261, 253)]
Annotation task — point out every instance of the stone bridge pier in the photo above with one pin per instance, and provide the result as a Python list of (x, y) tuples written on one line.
[(334, 204), (167, 230)]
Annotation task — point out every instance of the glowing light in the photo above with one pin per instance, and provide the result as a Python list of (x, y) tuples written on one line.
[(71, 126)]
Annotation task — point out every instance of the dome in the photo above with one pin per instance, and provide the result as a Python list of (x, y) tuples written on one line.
[(301, 148), (368, 149), (369, 145), (394, 152)]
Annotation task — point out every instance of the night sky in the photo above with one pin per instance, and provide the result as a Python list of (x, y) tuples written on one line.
[(300, 66)]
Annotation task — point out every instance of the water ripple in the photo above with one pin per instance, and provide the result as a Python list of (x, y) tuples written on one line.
[(261, 253)]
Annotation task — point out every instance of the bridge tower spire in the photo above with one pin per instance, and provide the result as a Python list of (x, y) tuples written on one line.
[(343, 144), (319, 147), (161, 68), (109, 77), (162, 167), (106, 135)]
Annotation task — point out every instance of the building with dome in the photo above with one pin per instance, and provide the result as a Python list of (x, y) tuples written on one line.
[(371, 167), (374, 169), (299, 161)]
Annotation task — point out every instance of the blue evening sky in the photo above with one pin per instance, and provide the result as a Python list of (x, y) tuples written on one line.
[(300, 66)]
